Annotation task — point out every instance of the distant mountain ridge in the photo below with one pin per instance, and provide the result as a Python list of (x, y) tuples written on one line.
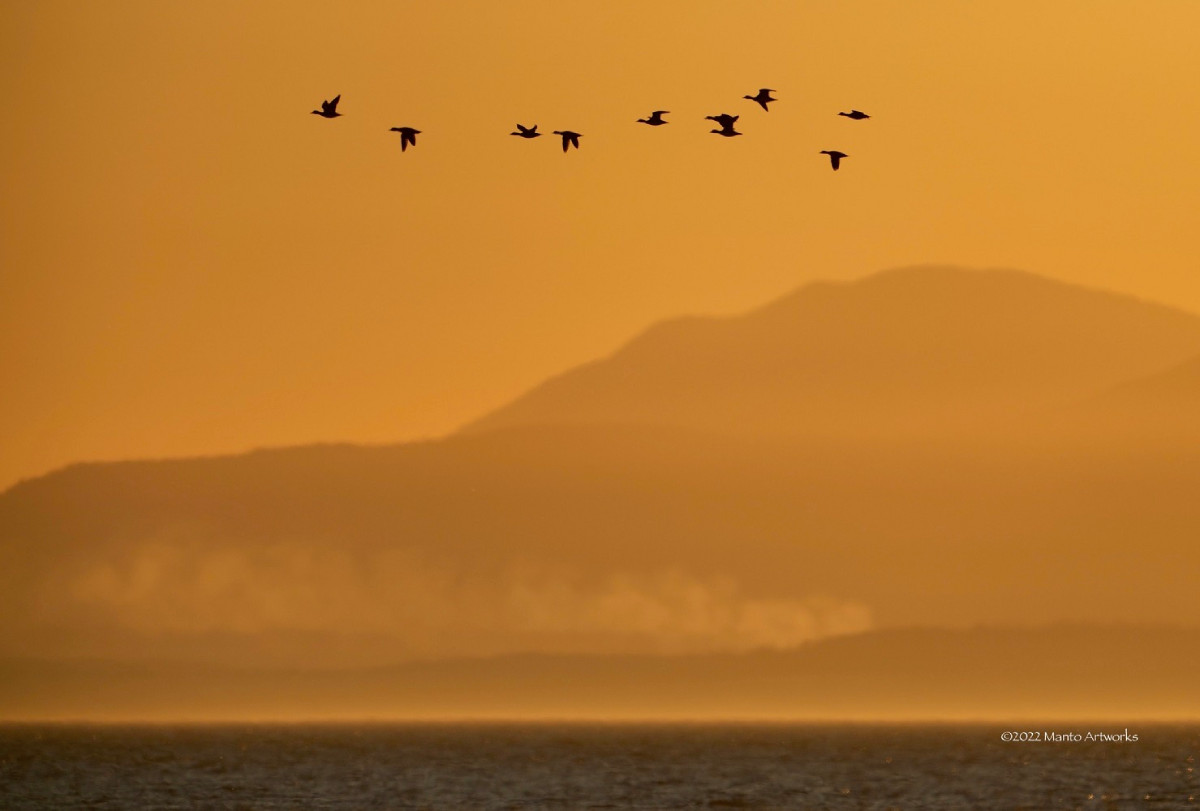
[(915, 350), (1166, 404), (1115, 675), (562, 527)]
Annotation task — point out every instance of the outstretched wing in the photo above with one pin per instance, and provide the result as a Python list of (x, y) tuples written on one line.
[(331, 106)]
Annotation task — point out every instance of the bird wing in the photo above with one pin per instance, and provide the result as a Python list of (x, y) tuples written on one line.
[(331, 106)]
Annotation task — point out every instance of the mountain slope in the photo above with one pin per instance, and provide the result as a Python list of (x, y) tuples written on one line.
[(1126, 674), (919, 350), (614, 538), (1165, 406), (589, 540)]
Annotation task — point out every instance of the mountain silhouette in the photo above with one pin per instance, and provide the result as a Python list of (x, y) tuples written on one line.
[(919, 351), (1119, 675), (874, 454), (1171, 397)]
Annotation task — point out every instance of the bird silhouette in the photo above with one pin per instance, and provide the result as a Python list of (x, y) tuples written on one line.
[(835, 157), (407, 136), (526, 132), (569, 138), (655, 119), (857, 115), (329, 108), (763, 98), (726, 121)]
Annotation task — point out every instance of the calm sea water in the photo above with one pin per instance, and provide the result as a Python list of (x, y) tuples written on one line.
[(590, 766)]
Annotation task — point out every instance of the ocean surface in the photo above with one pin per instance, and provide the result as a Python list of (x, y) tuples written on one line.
[(511, 766)]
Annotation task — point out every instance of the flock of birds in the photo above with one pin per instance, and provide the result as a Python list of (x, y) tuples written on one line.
[(408, 135)]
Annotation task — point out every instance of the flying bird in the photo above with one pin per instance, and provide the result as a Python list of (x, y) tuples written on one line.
[(655, 119), (764, 97), (526, 132), (857, 115), (724, 119), (569, 138), (835, 157), (407, 136), (329, 108)]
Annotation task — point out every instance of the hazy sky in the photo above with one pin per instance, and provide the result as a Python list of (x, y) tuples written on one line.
[(192, 263)]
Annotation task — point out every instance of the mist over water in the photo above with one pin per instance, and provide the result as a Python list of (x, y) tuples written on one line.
[(183, 588), (590, 766)]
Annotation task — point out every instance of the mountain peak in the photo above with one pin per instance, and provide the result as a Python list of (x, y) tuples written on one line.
[(912, 350)]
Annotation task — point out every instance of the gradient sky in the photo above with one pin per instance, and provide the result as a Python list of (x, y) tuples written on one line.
[(191, 263)]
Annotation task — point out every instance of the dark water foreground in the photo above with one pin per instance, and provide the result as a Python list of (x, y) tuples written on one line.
[(594, 766)]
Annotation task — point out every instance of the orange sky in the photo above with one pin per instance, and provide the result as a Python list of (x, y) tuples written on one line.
[(191, 263)]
